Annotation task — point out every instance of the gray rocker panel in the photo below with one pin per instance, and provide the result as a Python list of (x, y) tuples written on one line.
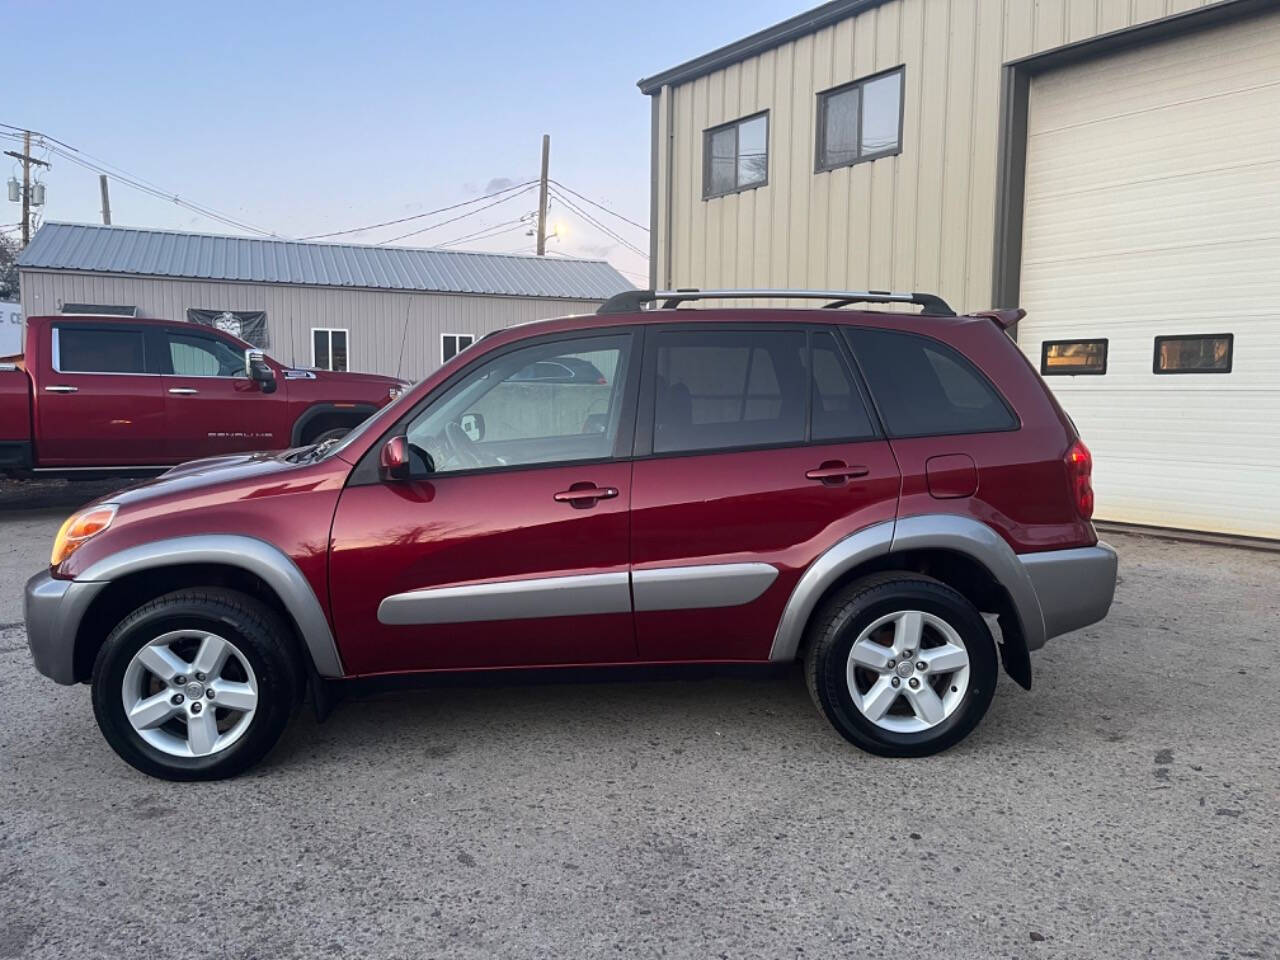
[(256, 556)]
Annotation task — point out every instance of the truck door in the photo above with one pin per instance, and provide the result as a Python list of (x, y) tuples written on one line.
[(211, 405), (97, 402)]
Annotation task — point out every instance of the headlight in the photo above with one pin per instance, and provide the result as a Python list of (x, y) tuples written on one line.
[(79, 528)]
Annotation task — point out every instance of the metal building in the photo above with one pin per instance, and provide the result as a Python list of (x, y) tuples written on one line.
[(1110, 165), (390, 310)]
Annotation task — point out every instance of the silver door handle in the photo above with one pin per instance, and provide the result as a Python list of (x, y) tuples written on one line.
[(184, 391), (61, 389)]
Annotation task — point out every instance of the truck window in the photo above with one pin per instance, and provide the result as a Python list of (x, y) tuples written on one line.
[(195, 356), (89, 350)]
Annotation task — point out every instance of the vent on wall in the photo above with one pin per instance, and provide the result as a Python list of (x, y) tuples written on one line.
[(99, 310)]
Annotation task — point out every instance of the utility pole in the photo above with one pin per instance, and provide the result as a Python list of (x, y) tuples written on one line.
[(106, 199), (27, 161), (542, 196)]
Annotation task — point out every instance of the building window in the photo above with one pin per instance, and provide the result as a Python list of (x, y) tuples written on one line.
[(735, 156), (860, 121), (1194, 353), (452, 344), (328, 348), (1073, 357)]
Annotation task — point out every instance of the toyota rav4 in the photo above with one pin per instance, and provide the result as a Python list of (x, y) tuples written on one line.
[(893, 498)]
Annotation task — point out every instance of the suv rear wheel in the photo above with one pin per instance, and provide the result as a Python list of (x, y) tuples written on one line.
[(195, 685), (901, 665)]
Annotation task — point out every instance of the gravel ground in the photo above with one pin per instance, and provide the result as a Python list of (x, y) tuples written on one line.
[(1124, 808)]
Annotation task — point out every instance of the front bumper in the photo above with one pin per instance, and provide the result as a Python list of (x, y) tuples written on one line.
[(53, 610), (1074, 587)]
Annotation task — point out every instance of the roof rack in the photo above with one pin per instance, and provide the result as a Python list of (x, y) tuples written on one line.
[(630, 301)]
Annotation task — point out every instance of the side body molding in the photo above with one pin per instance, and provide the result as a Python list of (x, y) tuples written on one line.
[(854, 550), (256, 556)]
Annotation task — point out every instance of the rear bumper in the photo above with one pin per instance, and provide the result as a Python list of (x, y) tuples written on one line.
[(53, 610), (1073, 587)]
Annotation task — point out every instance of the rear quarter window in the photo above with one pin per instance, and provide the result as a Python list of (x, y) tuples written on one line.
[(923, 387)]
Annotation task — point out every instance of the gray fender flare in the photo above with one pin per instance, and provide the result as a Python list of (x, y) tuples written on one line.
[(258, 557), (927, 531)]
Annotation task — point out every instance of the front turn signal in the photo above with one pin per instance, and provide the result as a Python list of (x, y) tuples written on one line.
[(79, 528)]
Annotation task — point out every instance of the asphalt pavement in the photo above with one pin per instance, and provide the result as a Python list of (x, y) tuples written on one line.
[(1125, 807)]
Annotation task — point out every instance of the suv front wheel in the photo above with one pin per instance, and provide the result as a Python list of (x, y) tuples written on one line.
[(195, 685), (901, 665)]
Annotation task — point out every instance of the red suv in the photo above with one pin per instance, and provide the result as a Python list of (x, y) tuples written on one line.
[(894, 498)]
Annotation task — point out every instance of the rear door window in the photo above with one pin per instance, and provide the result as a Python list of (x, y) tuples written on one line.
[(925, 388), (838, 412), (721, 389), (95, 350)]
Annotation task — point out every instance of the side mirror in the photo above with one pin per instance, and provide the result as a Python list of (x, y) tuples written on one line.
[(259, 371), (472, 425), (393, 460)]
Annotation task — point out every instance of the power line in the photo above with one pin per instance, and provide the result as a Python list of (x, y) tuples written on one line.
[(498, 229), (600, 226), (463, 216), (418, 216), (601, 206), (97, 165)]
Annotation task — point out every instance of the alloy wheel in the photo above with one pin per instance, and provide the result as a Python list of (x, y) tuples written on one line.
[(908, 671), (190, 693)]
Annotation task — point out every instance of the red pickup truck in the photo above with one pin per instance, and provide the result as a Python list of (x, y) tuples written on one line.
[(93, 395)]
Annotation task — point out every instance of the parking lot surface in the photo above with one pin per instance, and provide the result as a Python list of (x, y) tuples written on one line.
[(1125, 807)]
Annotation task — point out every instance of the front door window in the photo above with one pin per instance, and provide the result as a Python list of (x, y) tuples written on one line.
[(553, 403)]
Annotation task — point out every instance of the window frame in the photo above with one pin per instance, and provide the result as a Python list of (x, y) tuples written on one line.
[(471, 337), (55, 351), (1045, 371), (849, 329), (821, 120), (1155, 355), (648, 398), (166, 357), (346, 333), (367, 473), (707, 192)]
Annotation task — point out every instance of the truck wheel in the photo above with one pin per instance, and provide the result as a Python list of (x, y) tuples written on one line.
[(195, 685), (333, 434), (901, 665)]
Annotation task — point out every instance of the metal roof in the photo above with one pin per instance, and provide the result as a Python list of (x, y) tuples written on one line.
[(198, 256), (798, 26)]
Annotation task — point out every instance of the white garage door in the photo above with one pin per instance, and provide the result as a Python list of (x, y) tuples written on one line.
[(1153, 210)]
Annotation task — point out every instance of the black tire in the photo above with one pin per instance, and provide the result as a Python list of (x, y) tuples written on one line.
[(335, 434), (261, 637), (841, 619)]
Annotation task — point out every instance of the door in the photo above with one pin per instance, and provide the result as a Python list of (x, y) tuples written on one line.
[(1151, 213), (761, 455), (509, 543), (98, 404), (211, 405)]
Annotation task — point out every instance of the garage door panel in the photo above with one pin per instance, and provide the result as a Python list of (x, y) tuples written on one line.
[(1194, 210), (1151, 210)]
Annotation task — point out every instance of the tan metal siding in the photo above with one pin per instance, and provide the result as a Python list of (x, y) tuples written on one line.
[(376, 319), (923, 219)]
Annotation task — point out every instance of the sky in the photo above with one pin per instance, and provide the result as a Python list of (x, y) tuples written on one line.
[(307, 118)]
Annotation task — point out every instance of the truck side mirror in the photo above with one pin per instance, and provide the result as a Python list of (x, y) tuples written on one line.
[(258, 370)]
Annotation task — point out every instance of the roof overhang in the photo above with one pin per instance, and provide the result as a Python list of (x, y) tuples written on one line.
[(775, 36)]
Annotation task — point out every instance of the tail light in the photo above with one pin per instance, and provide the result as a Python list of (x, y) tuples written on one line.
[(1080, 476)]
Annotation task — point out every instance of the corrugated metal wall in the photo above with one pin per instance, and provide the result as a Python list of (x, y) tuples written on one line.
[(923, 219), (376, 319)]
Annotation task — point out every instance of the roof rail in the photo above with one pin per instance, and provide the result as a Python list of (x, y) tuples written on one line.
[(631, 301)]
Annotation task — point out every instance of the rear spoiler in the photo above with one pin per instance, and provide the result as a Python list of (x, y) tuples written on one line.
[(1004, 319)]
